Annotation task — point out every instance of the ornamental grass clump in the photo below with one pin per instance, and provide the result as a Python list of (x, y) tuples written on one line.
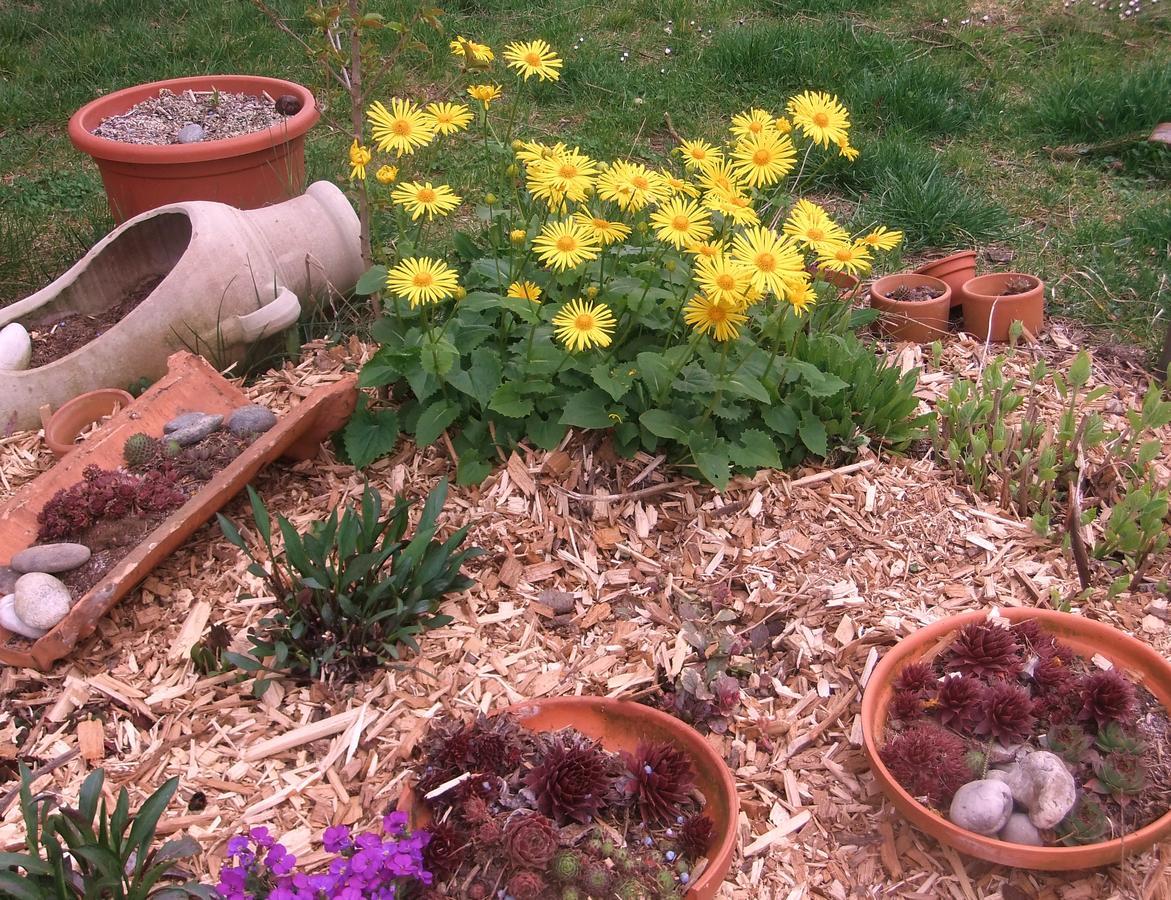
[(1013, 704), (555, 815), (676, 303)]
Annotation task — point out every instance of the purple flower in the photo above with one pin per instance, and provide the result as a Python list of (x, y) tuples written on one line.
[(337, 838), (394, 823), (262, 837), (280, 861)]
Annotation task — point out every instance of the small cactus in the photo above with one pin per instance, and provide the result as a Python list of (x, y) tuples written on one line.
[(630, 889), (565, 866), (139, 449), (1085, 824), (172, 449)]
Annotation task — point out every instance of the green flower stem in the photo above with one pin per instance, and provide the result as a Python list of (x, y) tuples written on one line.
[(679, 368), (776, 348), (512, 112), (719, 394)]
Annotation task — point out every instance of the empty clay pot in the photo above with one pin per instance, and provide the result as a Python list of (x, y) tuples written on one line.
[(623, 725), (954, 271), (246, 172), (919, 321), (63, 426), (1087, 637), (988, 312)]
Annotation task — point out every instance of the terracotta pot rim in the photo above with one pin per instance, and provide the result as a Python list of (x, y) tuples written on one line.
[(980, 280), (880, 286), (93, 113), (61, 438), (1040, 858), (950, 258)]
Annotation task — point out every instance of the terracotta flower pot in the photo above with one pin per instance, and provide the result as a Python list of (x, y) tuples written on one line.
[(1086, 637), (843, 281), (988, 313), (954, 271), (919, 321), (190, 384), (623, 725), (63, 426), (248, 171)]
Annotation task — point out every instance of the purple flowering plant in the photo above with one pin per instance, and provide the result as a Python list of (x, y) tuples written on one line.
[(366, 866)]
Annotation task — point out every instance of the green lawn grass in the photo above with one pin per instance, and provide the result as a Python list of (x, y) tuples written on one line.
[(957, 123)]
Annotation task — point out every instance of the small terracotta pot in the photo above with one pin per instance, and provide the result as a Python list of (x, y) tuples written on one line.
[(954, 271), (623, 725), (1087, 638), (988, 314), (246, 172), (63, 426), (843, 281), (920, 321)]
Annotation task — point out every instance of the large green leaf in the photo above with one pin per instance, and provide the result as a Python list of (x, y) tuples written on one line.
[(741, 384), (711, 457), (587, 409), (665, 424), (508, 401), (614, 380), (387, 366), (438, 356), (434, 421), (756, 450), (813, 436), (545, 432), (372, 281), (653, 369), (370, 434)]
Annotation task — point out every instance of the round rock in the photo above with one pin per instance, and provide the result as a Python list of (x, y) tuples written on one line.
[(183, 420), (288, 104), (191, 133), (982, 806), (41, 600), (51, 558), (10, 620), (196, 431), (1019, 783), (1019, 830), (1055, 791), (16, 348), (251, 419)]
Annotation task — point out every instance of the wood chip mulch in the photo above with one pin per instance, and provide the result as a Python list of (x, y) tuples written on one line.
[(821, 571)]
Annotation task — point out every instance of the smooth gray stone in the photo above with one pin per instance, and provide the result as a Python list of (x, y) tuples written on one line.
[(41, 600), (51, 558), (196, 432), (182, 420), (8, 580), (10, 620), (251, 419), (191, 133), (1019, 830), (982, 806)]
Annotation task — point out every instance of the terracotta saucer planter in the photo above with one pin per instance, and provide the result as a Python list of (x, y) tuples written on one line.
[(918, 321), (63, 426), (247, 172), (954, 271), (190, 384), (988, 312), (1087, 637), (623, 725)]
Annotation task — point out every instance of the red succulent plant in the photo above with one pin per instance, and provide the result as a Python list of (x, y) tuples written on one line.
[(527, 885), (659, 778), (907, 706), (928, 761), (959, 703), (530, 840), (441, 856), (1052, 672), (1007, 713), (571, 782), (985, 650), (917, 678), (1105, 697), (695, 836)]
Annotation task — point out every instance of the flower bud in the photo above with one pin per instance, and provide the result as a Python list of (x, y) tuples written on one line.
[(642, 228), (669, 265), (512, 170), (460, 292), (490, 199), (517, 236), (591, 292), (517, 144)]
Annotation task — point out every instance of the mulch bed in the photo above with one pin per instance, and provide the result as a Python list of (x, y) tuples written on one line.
[(824, 569), (221, 114), (52, 339)]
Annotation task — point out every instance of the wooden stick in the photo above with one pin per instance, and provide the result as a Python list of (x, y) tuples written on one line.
[(830, 473), (314, 731), (629, 495)]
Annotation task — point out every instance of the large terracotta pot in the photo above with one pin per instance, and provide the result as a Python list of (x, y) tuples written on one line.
[(954, 271), (919, 321), (229, 278), (190, 384), (988, 313), (623, 725), (246, 172), (1086, 637), (63, 426)]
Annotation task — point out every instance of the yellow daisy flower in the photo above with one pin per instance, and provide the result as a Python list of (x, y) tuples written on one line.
[(774, 261), (422, 280), (678, 186), (632, 186), (709, 249), (783, 125), (485, 93), (752, 122), (812, 226), (820, 115), (764, 159), (721, 319), (359, 159), (448, 118), (403, 128), (721, 175), (569, 173), (735, 206), (420, 198), (681, 222), (479, 53), (525, 290), (882, 238), (842, 256), (581, 325), (604, 231), (801, 297), (697, 154), (533, 58), (531, 152), (565, 244), (844, 149), (386, 174), (723, 278)]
